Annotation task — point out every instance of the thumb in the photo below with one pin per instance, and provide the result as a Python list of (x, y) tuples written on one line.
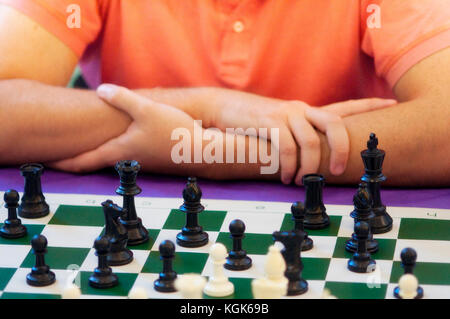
[(353, 107), (123, 99), (103, 156)]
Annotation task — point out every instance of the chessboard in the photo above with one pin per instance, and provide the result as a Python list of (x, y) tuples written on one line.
[(75, 221)]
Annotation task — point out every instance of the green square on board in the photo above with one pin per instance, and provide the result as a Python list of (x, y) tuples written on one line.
[(153, 233), (386, 249), (255, 244), (59, 257), (353, 290), (5, 275), (427, 273), (183, 263), (428, 229), (18, 295), (210, 220), (331, 230), (78, 216), (315, 268), (31, 231), (126, 282)]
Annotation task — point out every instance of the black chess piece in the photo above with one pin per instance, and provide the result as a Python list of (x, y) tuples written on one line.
[(408, 257), (192, 234), (117, 234), (362, 203), (40, 274), (315, 214), (291, 252), (33, 204), (128, 170), (12, 228), (361, 261), (373, 161), (298, 216), (103, 277), (166, 280), (237, 258)]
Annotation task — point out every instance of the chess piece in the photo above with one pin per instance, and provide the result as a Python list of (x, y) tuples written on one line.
[(192, 234), (291, 252), (237, 258), (138, 293), (128, 170), (362, 213), (12, 228), (166, 280), (408, 257), (40, 274), (408, 285), (361, 262), (190, 286), (327, 294), (71, 291), (315, 212), (373, 161), (298, 216), (218, 284), (33, 204), (274, 284), (103, 277), (117, 234)]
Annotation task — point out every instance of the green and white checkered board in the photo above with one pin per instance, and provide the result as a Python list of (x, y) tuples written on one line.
[(76, 220)]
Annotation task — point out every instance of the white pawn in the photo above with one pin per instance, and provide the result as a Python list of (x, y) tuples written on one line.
[(138, 293), (190, 286), (71, 291), (218, 284), (327, 294), (274, 284), (408, 285)]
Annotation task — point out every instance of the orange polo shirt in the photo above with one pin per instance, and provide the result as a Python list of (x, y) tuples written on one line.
[(318, 51)]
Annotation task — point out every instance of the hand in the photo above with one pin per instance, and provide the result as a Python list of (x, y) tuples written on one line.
[(297, 123), (147, 139)]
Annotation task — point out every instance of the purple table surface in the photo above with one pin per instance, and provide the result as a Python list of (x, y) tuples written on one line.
[(105, 183)]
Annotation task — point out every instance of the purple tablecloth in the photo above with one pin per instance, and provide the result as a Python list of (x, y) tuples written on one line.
[(105, 183)]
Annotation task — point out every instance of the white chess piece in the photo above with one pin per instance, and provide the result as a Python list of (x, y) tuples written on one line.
[(138, 293), (190, 286), (408, 285), (327, 294), (71, 291), (218, 284), (274, 284)]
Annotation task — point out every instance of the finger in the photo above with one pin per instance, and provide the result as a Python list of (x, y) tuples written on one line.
[(353, 107), (338, 141), (309, 143), (103, 156), (123, 99), (288, 154)]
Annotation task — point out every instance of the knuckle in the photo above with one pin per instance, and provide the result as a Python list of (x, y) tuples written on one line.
[(311, 142), (288, 151)]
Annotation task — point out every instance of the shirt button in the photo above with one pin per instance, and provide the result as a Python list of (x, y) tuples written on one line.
[(238, 27)]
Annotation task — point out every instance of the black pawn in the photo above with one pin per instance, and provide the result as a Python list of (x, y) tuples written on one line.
[(291, 252), (362, 212), (40, 274), (409, 257), (298, 215), (103, 276), (315, 215), (128, 170), (166, 280), (373, 161), (237, 258), (192, 234), (12, 227), (33, 203), (361, 262), (117, 234)]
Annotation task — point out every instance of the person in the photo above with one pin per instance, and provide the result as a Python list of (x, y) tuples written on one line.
[(372, 66)]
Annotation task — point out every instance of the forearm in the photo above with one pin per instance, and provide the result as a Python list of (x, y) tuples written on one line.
[(415, 137), (46, 123)]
